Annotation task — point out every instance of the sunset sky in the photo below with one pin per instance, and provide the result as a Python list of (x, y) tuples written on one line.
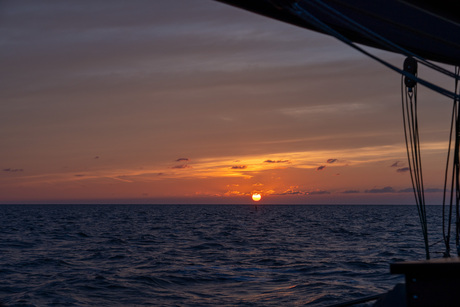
[(194, 101)]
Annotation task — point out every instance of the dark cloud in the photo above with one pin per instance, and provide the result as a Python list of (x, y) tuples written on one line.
[(318, 193), (396, 164), (430, 190), (181, 166), (403, 170), (13, 170), (239, 167), (297, 192), (79, 175), (160, 174), (384, 190), (292, 192), (289, 192), (331, 160), (350, 192), (96, 157), (434, 190), (276, 161), (320, 168)]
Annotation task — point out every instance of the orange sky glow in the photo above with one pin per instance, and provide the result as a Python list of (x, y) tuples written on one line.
[(168, 102)]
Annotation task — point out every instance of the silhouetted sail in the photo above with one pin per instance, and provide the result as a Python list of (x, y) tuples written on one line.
[(430, 29)]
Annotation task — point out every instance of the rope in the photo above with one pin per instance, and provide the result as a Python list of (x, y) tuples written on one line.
[(382, 41), (409, 107), (455, 177), (301, 12), (446, 234), (411, 135), (457, 171)]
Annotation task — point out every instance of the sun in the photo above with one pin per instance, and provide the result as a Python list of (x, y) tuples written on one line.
[(256, 197)]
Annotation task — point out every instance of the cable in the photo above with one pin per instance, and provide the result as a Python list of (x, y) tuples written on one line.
[(409, 107), (411, 135), (455, 177), (446, 234), (378, 38), (301, 12), (457, 173), (410, 121)]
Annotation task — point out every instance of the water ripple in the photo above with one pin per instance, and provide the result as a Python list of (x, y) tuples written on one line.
[(201, 255)]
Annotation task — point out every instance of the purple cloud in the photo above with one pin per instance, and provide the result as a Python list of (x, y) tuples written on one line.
[(320, 168), (429, 190), (331, 160), (318, 192), (384, 190), (239, 167), (396, 164), (350, 192), (13, 170), (433, 190), (276, 161), (403, 170), (183, 160), (291, 192), (181, 166)]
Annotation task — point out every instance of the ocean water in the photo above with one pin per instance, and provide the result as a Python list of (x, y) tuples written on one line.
[(203, 255)]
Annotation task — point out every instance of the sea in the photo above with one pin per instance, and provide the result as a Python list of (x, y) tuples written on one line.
[(205, 255)]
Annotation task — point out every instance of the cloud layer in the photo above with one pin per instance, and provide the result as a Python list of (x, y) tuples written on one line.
[(161, 98)]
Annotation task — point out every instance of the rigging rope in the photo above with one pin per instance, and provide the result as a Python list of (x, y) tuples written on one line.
[(301, 12), (456, 101), (382, 41), (411, 134), (409, 107), (455, 177)]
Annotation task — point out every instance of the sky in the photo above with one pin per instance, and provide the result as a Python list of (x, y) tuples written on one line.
[(195, 101)]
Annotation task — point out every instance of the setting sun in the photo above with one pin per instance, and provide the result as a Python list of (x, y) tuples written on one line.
[(256, 197)]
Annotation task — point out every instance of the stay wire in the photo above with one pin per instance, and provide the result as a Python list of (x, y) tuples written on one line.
[(377, 38), (409, 108), (417, 160), (457, 220), (299, 11), (446, 234), (411, 135), (455, 177)]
